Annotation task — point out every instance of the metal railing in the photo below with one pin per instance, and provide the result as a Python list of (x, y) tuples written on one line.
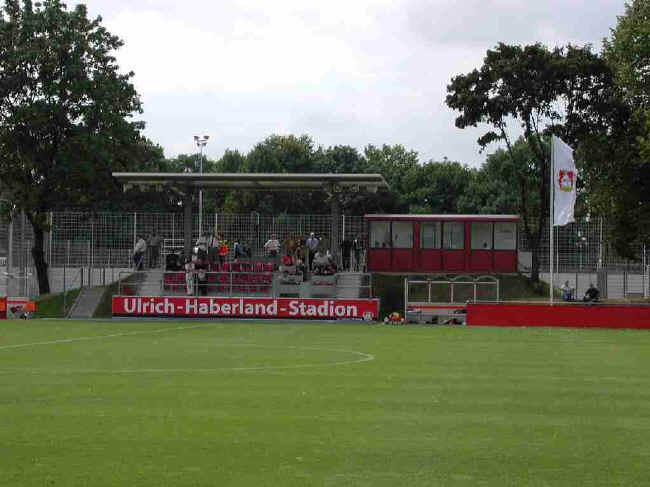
[(425, 292), (229, 284)]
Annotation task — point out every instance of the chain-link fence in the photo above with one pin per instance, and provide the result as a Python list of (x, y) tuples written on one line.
[(583, 246), (92, 248)]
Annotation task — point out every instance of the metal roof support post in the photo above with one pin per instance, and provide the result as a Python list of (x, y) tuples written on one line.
[(336, 215), (187, 223)]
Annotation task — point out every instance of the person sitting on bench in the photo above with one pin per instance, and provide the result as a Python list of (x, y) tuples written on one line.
[(592, 295), (567, 291)]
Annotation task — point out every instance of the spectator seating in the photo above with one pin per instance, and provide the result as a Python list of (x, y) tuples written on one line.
[(242, 277), (174, 281)]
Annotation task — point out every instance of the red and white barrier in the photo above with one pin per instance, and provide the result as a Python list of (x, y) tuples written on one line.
[(245, 307)]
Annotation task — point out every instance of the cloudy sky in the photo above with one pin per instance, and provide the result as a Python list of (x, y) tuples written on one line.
[(346, 72)]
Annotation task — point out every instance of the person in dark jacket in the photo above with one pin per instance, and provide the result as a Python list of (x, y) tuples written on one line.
[(592, 295)]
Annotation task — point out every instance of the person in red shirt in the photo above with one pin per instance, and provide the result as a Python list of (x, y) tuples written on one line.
[(288, 263)]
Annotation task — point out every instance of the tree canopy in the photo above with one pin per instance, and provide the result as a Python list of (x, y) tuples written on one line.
[(66, 112), (544, 91), (616, 172)]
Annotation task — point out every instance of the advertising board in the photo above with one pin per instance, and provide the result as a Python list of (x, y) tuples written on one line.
[(246, 307)]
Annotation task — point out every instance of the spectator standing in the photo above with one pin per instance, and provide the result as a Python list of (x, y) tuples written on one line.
[(202, 244), (567, 292), (238, 251), (189, 276), (346, 250), (357, 247), (201, 275), (214, 244), (300, 253), (154, 248), (223, 252), (312, 246), (248, 251), (139, 252), (272, 246)]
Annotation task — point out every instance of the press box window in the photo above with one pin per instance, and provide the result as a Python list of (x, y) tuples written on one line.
[(505, 235), (431, 235), (453, 235), (481, 236), (403, 235), (379, 235)]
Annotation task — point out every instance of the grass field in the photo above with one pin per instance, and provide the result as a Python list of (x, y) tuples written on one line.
[(304, 404)]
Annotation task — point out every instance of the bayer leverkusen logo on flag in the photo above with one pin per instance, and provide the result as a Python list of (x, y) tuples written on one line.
[(566, 180)]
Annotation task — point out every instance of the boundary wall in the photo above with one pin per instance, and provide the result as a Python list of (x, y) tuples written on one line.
[(623, 316)]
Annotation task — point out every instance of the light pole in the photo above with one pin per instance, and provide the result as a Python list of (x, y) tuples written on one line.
[(201, 142)]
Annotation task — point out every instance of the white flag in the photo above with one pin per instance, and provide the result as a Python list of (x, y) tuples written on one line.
[(565, 178)]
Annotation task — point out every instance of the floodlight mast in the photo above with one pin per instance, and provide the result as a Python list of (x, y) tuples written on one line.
[(201, 141)]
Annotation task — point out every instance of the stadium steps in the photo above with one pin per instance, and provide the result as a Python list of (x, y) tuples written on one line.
[(149, 283), (87, 302), (348, 285)]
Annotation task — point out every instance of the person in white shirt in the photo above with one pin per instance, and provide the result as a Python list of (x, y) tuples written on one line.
[(312, 246), (138, 253), (202, 244), (567, 292), (214, 244), (272, 246), (189, 276)]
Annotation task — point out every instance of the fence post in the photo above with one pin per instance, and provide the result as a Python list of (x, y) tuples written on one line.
[(92, 249), (10, 251), (600, 243), (49, 241), (25, 262), (66, 261), (135, 228), (90, 263)]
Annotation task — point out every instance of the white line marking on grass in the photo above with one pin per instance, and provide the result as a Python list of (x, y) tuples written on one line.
[(365, 357), (98, 337)]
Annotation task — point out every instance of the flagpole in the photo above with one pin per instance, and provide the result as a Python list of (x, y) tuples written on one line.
[(552, 194)]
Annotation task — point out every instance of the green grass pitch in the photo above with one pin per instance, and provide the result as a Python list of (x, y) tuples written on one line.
[(198, 403)]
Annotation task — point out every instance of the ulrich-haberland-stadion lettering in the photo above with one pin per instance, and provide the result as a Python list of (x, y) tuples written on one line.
[(244, 307)]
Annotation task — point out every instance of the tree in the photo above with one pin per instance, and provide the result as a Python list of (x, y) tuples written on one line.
[(546, 92), (495, 188), (65, 110), (346, 159), (616, 170), (398, 166), (437, 187)]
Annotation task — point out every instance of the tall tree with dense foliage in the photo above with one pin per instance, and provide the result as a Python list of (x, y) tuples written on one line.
[(436, 187), (65, 109), (280, 154), (496, 188), (617, 172), (543, 91)]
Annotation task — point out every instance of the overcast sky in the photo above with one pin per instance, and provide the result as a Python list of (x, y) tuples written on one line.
[(345, 72)]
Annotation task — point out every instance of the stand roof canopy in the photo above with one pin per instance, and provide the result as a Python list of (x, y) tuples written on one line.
[(253, 181)]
